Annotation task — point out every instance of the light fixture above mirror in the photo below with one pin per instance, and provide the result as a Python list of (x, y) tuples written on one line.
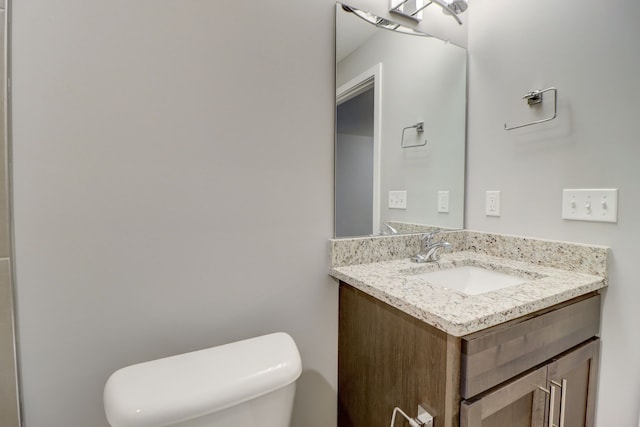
[(382, 22), (412, 9)]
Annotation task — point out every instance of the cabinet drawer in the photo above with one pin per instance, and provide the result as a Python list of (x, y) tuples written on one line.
[(493, 356), (517, 403)]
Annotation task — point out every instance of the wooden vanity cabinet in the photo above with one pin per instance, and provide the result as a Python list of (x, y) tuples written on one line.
[(504, 376), (576, 372), (570, 380), (387, 358)]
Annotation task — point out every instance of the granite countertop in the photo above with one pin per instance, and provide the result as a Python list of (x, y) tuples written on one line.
[(457, 313)]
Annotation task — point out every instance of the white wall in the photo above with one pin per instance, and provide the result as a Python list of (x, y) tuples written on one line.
[(173, 184), (590, 53)]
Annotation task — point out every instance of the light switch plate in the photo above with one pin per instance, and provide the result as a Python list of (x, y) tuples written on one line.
[(443, 201), (397, 200), (599, 205)]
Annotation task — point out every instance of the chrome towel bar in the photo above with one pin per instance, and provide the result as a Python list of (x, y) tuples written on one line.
[(419, 127), (535, 97)]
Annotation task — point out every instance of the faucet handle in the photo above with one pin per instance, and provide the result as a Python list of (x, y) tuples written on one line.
[(434, 255), (426, 239)]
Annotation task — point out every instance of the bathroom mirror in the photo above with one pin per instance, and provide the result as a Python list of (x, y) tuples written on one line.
[(9, 405), (400, 128)]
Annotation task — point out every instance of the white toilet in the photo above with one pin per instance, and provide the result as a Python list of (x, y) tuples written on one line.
[(245, 383)]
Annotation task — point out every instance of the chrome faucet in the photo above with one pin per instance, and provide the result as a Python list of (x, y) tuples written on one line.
[(389, 229), (428, 249)]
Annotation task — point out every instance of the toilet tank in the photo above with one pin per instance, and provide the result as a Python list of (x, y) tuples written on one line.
[(179, 388)]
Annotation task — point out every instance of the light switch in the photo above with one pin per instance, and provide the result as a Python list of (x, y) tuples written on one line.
[(397, 200), (599, 205)]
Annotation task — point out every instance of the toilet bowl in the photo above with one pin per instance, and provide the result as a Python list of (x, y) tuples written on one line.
[(249, 382)]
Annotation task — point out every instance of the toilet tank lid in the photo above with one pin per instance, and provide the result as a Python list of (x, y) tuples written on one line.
[(186, 386)]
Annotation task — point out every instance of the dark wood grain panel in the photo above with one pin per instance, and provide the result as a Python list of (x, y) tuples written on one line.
[(579, 369), (502, 353), (516, 414), (518, 403), (387, 358)]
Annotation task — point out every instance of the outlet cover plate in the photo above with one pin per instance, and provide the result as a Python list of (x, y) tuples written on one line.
[(599, 205), (492, 203)]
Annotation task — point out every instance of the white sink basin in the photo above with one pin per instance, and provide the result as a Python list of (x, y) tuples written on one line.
[(471, 280)]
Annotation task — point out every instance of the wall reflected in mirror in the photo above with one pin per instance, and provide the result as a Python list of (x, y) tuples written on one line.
[(400, 128)]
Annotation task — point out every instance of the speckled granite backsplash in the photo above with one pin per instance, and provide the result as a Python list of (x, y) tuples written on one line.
[(581, 258), (407, 227), (589, 259)]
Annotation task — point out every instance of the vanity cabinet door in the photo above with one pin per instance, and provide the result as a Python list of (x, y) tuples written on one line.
[(574, 376), (569, 381), (520, 403)]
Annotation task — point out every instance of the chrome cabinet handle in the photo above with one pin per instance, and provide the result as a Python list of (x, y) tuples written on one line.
[(563, 401), (552, 404)]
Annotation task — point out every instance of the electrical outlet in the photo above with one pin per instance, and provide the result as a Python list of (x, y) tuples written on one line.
[(397, 200), (492, 203), (424, 417), (443, 201)]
